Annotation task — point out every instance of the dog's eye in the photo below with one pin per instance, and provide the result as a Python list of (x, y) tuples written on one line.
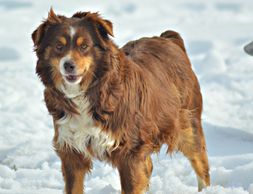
[(83, 47), (59, 47)]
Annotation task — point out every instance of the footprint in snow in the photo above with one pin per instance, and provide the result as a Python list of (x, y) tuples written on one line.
[(199, 47), (195, 6), (10, 5), (233, 7), (8, 54)]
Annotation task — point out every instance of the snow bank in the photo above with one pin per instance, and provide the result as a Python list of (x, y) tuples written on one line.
[(214, 32)]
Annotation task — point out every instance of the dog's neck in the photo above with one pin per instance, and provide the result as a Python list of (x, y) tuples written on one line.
[(72, 91)]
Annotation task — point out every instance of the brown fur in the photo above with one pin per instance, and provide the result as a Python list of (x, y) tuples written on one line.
[(144, 95)]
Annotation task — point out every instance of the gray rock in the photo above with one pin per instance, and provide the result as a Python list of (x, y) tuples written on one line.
[(249, 48)]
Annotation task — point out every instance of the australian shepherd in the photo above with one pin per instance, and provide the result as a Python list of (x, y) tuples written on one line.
[(118, 105)]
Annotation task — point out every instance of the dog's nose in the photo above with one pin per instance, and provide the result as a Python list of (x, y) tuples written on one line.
[(69, 67)]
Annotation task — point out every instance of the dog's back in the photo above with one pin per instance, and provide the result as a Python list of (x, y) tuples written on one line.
[(169, 76), (166, 58)]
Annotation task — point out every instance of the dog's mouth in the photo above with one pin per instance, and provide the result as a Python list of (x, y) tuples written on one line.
[(73, 78)]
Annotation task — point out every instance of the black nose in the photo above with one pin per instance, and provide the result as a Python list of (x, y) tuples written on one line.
[(69, 67)]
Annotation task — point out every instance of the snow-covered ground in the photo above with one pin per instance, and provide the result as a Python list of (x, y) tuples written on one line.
[(214, 32)]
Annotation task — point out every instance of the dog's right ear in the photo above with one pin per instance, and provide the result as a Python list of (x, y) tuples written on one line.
[(39, 33)]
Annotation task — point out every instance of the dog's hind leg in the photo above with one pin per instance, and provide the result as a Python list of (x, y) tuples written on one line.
[(192, 145)]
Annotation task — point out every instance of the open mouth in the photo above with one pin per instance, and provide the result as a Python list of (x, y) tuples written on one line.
[(73, 78)]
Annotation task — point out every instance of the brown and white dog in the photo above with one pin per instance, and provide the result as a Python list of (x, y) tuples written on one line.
[(118, 105)]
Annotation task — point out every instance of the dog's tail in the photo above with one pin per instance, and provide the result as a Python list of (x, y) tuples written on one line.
[(175, 37)]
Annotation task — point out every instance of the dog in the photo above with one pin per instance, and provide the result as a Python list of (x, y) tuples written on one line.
[(118, 105)]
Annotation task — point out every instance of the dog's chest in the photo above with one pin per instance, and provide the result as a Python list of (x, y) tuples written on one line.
[(78, 132)]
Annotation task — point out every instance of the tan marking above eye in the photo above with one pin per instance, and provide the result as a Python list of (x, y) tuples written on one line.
[(79, 41), (63, 40)]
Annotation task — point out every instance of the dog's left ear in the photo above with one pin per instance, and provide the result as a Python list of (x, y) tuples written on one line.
[(104, 27)]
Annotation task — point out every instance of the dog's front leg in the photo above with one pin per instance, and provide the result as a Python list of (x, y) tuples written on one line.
[(74, 168), (135, 173)]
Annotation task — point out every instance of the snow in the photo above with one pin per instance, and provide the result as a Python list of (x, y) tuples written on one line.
[(215, 34)]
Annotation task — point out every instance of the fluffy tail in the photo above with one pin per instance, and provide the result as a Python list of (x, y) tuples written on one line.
[(175, 37)]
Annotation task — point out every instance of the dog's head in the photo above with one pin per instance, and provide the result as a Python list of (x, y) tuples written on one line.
[(68, 49)]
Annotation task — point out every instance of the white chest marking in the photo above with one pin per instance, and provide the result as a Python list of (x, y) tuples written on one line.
[(78, 131)]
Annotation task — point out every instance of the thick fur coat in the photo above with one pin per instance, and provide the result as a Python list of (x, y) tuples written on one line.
[(118, 105)]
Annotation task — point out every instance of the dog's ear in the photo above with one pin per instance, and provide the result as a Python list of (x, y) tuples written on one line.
[(249, 48), (39, 33), (104, 27), (52, 17)]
